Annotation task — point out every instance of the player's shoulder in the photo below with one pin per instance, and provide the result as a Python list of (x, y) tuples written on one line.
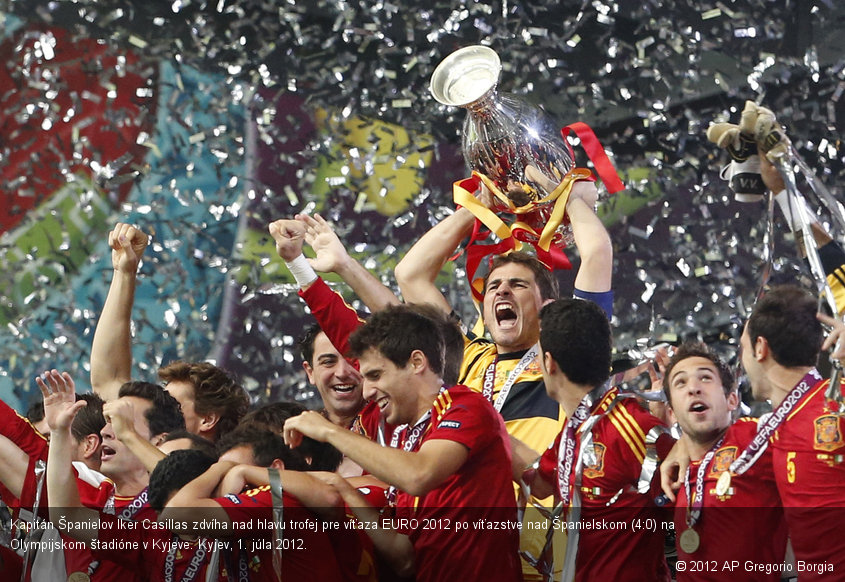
[(743, 426)]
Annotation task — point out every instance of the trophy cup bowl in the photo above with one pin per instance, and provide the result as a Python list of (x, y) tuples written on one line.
[(465, 76), (515, 146)]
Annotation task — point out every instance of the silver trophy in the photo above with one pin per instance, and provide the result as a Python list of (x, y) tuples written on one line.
[(516, 147)]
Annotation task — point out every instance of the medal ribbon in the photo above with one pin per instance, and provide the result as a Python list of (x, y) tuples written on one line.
[(566, 451), (490, 377), (192, 569), (694, 504), (137, 504), (767, 428), (410, 444)]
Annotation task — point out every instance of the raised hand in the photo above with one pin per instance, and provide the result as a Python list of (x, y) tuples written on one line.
[(121, 415), (128, 244), (60, 404), (289, 236), (330, 253)]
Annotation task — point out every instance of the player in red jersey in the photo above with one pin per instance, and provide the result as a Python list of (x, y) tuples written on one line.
[(453, 453), (246, 518), (323, 347), (721, 519), (600, 465), (24, 450), (781, 343)]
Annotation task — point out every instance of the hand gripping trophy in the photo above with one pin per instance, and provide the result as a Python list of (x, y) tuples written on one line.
[(759, 131), (518, 155)]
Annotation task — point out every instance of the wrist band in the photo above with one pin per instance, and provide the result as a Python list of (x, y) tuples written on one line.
[(789, 206), (301, 270)]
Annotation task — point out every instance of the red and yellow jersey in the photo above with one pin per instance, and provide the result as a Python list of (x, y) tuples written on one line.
[(730, 526), (307, 553), (147, 549), (808, 455), (615, 543), (450, 526)]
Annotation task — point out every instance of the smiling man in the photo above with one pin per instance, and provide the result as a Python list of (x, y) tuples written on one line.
[(720, 515), (453, 452), (335, 378)]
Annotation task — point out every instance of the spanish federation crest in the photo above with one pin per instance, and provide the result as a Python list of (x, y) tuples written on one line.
[(594, 464), (722, 461), (828, 435)]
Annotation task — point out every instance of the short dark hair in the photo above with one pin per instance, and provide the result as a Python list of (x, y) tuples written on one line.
[(453, 340), (174, 472), (306, 343), (215, 391), (395, 332), (198, 443), (323, 456), (90, 419), (164, 415), (577, 335), (273, 416), (786, 317), (35, 412), (545, 278), (698, 350), (266, 445)]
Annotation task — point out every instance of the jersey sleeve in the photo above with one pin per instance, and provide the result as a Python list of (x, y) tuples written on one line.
[(245, 508), (469, 420), (21, 432), (547, 466), (334, 315)]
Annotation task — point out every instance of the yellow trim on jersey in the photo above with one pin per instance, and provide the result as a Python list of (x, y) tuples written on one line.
[(808, 397), (637, 446), (625, 424), (442, 403), (835, 282)]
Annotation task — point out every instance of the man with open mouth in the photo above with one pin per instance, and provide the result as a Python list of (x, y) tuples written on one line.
[(718, 514)]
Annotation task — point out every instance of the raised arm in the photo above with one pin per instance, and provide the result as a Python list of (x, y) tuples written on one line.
[(111, 351), (334, 316), (60, 408), (331, 257), (417, 272), (14, 463), (591, 239)]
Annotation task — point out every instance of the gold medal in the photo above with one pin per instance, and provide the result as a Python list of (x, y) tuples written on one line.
[(689, 541), (79, 577), (724, 483)]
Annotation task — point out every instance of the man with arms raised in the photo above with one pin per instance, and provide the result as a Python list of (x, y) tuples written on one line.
[(505, 370), (212, 402)]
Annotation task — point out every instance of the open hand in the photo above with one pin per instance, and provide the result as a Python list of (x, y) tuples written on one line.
[(60, 404)]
